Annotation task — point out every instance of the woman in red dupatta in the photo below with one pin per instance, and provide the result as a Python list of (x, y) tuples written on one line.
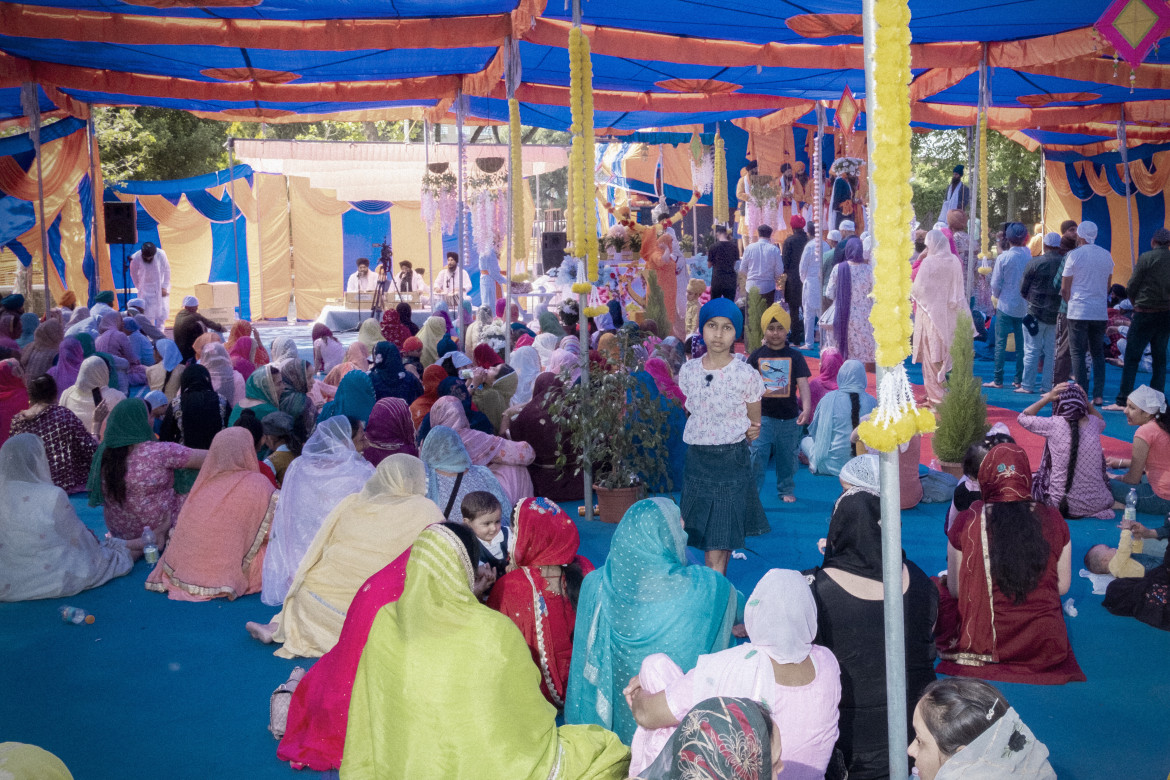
[(1008, 564), (13, 395), (540, 594), (257, 354), (392, 328), (432, 376)]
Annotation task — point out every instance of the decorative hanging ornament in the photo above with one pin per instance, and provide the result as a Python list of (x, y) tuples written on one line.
[(1133, 27), (846, 116)]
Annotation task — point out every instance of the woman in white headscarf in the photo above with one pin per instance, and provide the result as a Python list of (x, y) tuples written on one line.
[(91, 398), (228, 382), (364, 533), (47, 552), (799, 681), (941, 298), (526, 361), (545, 345), (283, 348), (166, 374), (328, 470)]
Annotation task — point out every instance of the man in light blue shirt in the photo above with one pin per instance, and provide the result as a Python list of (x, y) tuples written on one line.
[(763, 265), (1011, 307)]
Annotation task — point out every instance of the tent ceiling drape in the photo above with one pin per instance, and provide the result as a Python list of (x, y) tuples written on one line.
[(761, 62)]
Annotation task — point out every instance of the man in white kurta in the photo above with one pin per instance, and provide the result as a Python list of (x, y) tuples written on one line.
[(361, 280), (151, 274)]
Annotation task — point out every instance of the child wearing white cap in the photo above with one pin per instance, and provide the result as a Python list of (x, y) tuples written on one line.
[(1148, 468)]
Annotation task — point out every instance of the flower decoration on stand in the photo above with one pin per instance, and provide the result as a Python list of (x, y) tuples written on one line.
[(702, 161), (896, 420), (439, 195)]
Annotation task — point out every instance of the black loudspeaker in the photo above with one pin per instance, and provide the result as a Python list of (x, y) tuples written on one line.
[(550, 241), (121, 222), (646, 215)]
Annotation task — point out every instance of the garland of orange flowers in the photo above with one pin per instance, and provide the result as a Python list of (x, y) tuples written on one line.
[(719, 192), (673, 219), (519, 244), (896, 419)]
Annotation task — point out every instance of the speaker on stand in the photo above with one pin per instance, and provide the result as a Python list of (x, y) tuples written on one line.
[(121, 222), (552, 249)]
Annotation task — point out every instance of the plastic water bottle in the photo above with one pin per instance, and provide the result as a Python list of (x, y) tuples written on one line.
[(1131, 506), (149, 547), (75, 615)]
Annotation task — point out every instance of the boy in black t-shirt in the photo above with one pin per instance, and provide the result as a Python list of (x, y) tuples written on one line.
[(787, 403)]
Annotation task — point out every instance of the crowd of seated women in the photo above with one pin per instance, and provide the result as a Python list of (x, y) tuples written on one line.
[(394, 503)]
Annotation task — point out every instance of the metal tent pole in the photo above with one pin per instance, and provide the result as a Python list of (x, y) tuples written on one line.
[(895, 631), (98, 196), (430, 228), (32, 109), (818, 165), (515, 180), (461, 224), (1123, 147), (235, 231), (1043, 191), (973, 229)]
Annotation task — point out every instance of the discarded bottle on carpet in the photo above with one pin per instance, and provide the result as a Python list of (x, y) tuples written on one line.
[(149, 546), (75, 615)]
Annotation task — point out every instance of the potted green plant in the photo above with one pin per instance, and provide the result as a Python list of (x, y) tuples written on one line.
[(687, 245), (962, 416), (606, 420)]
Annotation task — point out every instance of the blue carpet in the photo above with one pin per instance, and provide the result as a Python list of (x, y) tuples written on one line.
[(158, 686)]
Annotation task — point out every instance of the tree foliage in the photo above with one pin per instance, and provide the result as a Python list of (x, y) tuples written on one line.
[(963, 413), (1014, 173), (154, 144)]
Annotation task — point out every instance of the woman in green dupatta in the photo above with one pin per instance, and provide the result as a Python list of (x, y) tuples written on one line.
[(422, 649), (261, 394)]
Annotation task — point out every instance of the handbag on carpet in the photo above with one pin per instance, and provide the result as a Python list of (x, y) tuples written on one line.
[(279, 702)]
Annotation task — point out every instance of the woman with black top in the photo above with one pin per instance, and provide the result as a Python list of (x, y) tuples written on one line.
[(850, 622)]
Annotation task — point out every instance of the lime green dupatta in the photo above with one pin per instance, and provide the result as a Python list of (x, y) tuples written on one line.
[(447, 688)]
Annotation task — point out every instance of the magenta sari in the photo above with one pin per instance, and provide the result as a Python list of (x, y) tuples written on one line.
[(319, 711)]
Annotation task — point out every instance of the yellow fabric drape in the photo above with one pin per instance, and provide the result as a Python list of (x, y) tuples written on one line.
[(63, 160), (275, 277), (317, 238), (1097, 181), (409, 236), (1148, 183), (72, 249), (1058, 180), (179, 217), (189, 250)]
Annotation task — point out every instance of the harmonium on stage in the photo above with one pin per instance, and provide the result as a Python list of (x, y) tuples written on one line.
[(363, 301)]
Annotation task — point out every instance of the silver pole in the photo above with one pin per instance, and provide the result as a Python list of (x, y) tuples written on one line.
[(235, 231), (1123, 147), (462, 222), (818, 210), (513, 184), (98, 197), (583, 332), (973, 230), (32, 106), (430, 228), (895, 632), (1043, 191)]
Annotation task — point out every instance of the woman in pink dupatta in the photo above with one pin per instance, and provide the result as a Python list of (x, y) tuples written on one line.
[(826, 380), (241, 353), (507, 460), (318, 714), (389, 430), (219, 539), (657, 368), (941, 301)]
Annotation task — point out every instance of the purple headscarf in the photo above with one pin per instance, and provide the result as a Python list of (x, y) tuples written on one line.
[(69, 357), (843, 303), (1073, 405)]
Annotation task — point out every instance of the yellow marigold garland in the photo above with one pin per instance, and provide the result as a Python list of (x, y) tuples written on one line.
[(519, 237), (719, 193), (896, 420)]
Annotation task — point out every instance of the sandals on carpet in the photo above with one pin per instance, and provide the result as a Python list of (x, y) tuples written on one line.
[(279, 702)]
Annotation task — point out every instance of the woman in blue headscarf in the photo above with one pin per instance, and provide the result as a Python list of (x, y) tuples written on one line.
[(389, 377), (166, 374), (450, 475), (828, 445), (644, 600), (355, 398)]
